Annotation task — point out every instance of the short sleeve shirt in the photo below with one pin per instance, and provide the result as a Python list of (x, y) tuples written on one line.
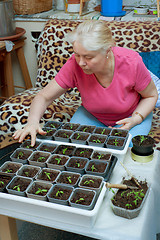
[(120, 98)]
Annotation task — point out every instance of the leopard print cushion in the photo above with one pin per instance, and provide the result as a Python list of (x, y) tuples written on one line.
[(52, 52)]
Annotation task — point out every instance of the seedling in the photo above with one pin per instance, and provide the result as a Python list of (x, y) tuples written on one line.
[(48, 175), (29, 146), (138, 195), (93, 168), (84, 130), (48, 131), (118, 134), (115, 142), (20, 155), (69, 179), (103, 131), (142, 139), (8, 171), (64, 150), (66, 135), (58, 160), (78, 136), (82, 152), (17, 188), (79, 200), (78, 165), (88, 182), (26, 173), (128, 205), (100, 156), (40, 191), (59, 193), (52, 125), (40, 159), (1, 183), (46, 149), (97, 140)]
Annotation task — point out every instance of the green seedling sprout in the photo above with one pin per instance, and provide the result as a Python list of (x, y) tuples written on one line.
[(111, 189), (79, 200), (142, 139), (1, 182), (88, 182), (58, 160), (29, 146), (46, 149), (138, 195), (8, 171), (78, 165), (128, 205), (66, 135), (48, 131), (115, 142), (103, 131), (17, 188), (84, 130), (82, 152), (93, 168), (20, 155), (48, 175), (69, 179), (26, 173), (59, 193), (52, 125), (100, 156), (118, 133), (40, 159), (97, 141), (64, 150), (41, 191), (71, 126), (78, 136)]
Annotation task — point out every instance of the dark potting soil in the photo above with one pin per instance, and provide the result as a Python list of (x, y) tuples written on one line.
[(39, 157), (23, 155), (21, 184), (63, 134), (58, 160), (38, 187), (48, 175), (101, 156), (96, 139), (103, 131), (27, 145), (29, 172), (142, 140), (53, 125), (68, 178), (70, 126), (83, 152), (4, 180), (47, 148), (80, 136), (98, 167), (11, 168), (65, 150), (86, 128), (49, 132), (119, 133), (61, 193), (91, 182), (130, 198), (115, 142), (77, 163), (86, 198)]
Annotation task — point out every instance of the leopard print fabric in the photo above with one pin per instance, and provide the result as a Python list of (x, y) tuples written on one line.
[(53, 51)]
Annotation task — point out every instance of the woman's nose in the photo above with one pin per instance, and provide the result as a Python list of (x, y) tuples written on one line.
[(82, 61)]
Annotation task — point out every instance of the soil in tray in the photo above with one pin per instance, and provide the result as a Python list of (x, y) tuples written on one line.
[(48, 175), (97, 139), (91, 182), (77, 163), (116, 142), (29, 172), (68, 178), (101, 156), (37, 189), (23, 155), (27, 144), (61, 193), (65, 150), (98, 167), (83, 152), (86, 128), (119, 133), (63, 134), (11, 168), (80, 136), (39, 157), (20, 185), (49, 132), (130, 198), (54, 125), (103, 131), (4, 180), (58, 160), (70, 126), (47, 148), (83, 198)]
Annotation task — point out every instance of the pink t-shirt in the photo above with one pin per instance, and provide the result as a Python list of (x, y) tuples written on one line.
[(117, 101)]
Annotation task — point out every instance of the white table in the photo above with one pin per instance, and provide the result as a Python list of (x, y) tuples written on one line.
[(107, 226)]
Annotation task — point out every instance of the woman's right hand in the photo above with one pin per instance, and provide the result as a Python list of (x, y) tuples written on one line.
[(30, 129)]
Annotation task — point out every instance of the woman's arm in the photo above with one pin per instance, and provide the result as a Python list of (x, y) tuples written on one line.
[(145, 107), (39, 104)]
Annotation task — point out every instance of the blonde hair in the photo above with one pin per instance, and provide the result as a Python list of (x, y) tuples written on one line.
[(94, 35)]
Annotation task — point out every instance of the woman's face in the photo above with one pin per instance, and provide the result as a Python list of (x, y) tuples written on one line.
[(89, 61)]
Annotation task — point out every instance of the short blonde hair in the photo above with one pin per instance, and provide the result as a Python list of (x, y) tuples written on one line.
[(94, 35)]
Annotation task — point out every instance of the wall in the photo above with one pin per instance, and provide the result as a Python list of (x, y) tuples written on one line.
[(139, 2)]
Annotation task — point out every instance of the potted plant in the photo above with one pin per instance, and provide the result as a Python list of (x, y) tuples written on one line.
[(21, 155), (18, 185), (27, 144), (38, 190), (47, 147), (79, 137), (57, 161), (65, 150), (63, 135), (60, 194), (49, 133), (39, 158), (143, 145), (83, 152), (129, 202), (103, 130), (97, 140), (86, 128), (10, 168), (96, 167), (53, 124), (119, 132), (76, 164), (101, 155), (4, 180), (116, 143), (83, 198), (68, 178), (28, 171), (70, 126), (48, 175), (91, 182)]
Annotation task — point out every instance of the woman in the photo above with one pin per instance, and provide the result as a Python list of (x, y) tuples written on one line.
[(115, 86)]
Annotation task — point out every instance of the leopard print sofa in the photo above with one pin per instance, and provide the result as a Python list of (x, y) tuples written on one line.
[(52, 52)]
